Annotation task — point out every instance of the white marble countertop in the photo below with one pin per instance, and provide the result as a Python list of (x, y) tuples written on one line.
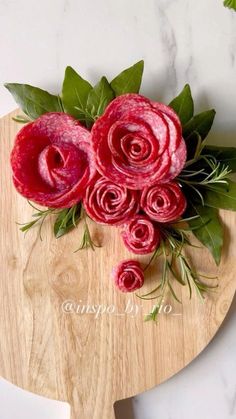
[(181, 41)]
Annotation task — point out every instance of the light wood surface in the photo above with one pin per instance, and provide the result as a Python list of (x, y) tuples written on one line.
[(92, 362)]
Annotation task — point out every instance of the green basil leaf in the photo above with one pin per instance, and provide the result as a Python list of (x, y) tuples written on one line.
[(231, 4), (75, 91), (183, 105), (210, 233), (66, 220), (224, 155), (201, 123), (34, 101), (221, 196), (99, 97), (129, 81), (193, 143)]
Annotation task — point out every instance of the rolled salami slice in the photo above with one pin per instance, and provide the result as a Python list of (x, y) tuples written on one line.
[(52, 161), (140, 236), (138, 142), (108, 203), (163, 203), (128, 276)]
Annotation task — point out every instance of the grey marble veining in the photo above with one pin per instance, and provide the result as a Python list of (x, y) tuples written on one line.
[(181, 41), (168, 41)]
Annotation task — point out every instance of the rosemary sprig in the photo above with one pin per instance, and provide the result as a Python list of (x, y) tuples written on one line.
[(67, 219), (162, 287), (213, 175), (213, 172), (218, 175), (40, 216), (175, 266), (86, 241)]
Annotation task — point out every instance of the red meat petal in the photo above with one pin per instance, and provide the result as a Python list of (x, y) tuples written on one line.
[(52, 160)]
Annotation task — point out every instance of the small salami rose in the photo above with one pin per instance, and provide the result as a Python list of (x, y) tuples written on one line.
[(108, 203), (52, 160), (128, 276), (163, 203), (138, 142), (140, 236)]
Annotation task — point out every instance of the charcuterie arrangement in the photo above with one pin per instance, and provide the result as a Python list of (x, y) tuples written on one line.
[(113, 155)]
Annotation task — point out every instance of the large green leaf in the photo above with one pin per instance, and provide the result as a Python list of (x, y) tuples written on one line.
[(34, 101), (183, 105), (224, 155), (75, 91), (129, 81), (201, 123), (231, 4), (210, 232), (99, 97), (193, 143), (221, 196)]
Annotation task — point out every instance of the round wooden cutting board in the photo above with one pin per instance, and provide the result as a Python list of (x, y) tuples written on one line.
[(66, 333)]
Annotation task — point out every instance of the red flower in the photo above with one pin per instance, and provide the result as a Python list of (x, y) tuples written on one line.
[(109, 203), (52, 160), (140, 236), (163, 203), (128, 276), (138, 142)]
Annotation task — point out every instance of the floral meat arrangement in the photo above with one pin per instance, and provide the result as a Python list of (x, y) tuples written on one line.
[(108, 153)]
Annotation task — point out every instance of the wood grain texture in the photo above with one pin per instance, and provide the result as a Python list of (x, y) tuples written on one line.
[(91, 362)]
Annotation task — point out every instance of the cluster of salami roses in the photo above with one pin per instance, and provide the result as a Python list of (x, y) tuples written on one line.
[(123, 171)]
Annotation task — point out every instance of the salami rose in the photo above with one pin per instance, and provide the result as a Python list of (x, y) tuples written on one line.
[(128, 276), (138, 142), (109, 203), (140, 236), (163, 203), (52, 160)]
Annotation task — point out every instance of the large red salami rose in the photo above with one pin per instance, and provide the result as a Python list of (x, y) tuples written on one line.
[(52, 160), (138, 142), (163, 203), (108, 203), (128, 276), (140, 236)]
